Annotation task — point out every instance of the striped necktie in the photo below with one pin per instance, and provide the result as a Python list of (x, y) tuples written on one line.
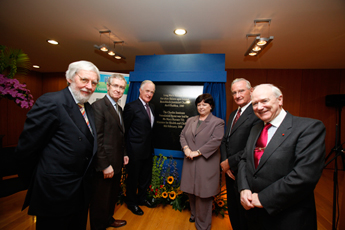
[(82, 110)]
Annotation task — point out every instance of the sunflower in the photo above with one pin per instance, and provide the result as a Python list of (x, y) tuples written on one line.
[(172, 195), (164, 194), (220, 203), (170, 179)]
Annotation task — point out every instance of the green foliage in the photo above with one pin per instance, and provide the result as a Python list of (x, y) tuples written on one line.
[(13, 61)]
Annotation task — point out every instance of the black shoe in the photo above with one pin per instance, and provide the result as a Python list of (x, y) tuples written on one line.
[(191, 220), (147, 204), (135, 209)]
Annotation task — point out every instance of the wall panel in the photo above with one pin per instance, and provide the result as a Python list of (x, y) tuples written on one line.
[(289, 82)]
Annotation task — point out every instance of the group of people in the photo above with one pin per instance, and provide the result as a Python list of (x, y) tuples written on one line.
[(74, 152)]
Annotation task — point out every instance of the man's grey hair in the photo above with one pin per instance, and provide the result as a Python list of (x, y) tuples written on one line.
[(74, 67), (249, 86), (145, 82), (116, 76), (276, 91)]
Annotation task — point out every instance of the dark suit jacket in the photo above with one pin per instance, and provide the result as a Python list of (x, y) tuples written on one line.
[(233, 145), (110, 135), (200, 176), (139, 133), (287, 173), (58, 142)]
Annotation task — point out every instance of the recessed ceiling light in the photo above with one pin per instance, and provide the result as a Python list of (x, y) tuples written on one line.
[(53, 42), (180, 31), (36, 66), (117, 57), (252, 54)]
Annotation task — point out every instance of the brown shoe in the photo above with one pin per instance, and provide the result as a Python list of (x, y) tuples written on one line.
[(118, 223)]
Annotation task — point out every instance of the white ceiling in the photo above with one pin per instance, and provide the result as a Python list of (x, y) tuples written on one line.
[(308, 34)]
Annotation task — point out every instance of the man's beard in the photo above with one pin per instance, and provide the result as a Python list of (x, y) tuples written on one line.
[(79, 97)]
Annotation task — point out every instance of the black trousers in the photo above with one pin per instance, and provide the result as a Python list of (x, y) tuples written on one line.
[(235, 209), (75, 221), (139, 179), (103, 200)]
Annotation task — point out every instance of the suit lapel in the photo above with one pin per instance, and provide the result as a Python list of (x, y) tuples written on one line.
[(203, 124), (231, 117), (143, 109), (282, 133), (113, 112), (242, 119), (73, 111)]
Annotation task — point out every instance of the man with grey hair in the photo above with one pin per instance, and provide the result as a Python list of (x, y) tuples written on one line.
[(139, 119), (58, 144), (240, 123), (281, 165), (111, 155)]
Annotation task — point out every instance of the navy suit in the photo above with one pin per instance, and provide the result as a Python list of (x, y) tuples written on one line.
[(57, 142), (139, 145), (286, 176), (233, 144)]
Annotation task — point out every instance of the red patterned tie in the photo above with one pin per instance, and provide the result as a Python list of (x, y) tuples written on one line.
[(261, 144), (238, 114)]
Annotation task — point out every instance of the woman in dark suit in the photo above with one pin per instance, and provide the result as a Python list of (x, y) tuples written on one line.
[(200, 140)]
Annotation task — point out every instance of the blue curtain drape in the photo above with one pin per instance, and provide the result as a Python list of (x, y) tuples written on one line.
[(133, 91), (217, 90)]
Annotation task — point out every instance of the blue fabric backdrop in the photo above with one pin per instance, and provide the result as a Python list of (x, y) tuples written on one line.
[(217, 90)]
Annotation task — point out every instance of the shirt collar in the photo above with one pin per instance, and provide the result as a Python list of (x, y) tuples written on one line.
[(144, 103), (279, 119), (111, 100), (244, 107)]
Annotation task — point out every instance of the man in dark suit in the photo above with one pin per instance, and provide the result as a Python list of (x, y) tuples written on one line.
[(234, 141), (111, 155), (58, 142), (139, 119), (281, 165)]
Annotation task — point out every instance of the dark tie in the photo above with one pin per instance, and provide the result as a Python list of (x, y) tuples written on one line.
[(238, 114), (148, 111), (118, 112), (82, 110), (261, 144)]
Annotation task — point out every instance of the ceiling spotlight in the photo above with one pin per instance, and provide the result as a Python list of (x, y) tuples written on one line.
[(36, 66), (256, 48), (105, 48), (53, 42), (180, 31), (258, 45)]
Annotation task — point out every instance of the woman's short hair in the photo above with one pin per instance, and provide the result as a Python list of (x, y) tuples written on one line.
[(207, 98)]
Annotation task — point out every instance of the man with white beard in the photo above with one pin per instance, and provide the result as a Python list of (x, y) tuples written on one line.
[(55, 151)]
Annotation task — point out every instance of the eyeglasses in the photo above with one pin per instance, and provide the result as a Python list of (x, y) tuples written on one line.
[(118, 87), (86, 80)]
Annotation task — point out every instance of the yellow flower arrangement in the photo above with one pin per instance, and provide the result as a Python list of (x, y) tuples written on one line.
[(220, 203), (165, 188), (172, 195), (170, 179), (164, 195)]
